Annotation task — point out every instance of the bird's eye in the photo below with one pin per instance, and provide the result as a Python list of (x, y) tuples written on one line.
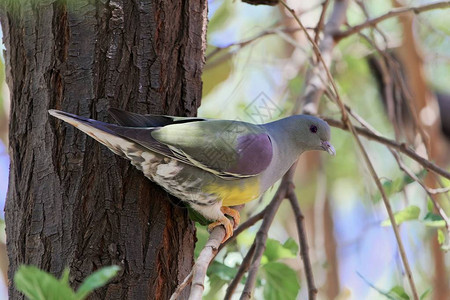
[(313, 128)]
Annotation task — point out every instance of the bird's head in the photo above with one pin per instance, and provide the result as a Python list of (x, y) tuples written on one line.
[(314, 134)]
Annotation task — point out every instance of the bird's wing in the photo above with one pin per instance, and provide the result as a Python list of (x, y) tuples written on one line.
[(229, 149), (120, 139), (129, 119), (226, 148)]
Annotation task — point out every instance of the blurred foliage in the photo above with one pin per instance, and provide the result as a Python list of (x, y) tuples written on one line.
[(40, 285), (397, 292), (409, 213), (281, 281), (276, 65), (277, 279)]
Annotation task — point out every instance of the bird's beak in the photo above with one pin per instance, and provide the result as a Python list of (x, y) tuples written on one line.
[(328, 147)]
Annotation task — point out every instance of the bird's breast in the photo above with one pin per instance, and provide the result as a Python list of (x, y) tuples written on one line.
[(235, 192)]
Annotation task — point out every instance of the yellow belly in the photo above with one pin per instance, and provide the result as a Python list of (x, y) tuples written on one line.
[(236, 193)]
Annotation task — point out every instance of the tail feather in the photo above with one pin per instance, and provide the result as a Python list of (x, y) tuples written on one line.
[(100, 131), (130, 119)]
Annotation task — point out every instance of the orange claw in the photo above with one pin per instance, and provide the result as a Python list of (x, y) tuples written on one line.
[(232, 213), (225, 222)]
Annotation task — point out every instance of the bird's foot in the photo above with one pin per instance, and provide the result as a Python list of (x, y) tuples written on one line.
[(232, 213), (225, 222)]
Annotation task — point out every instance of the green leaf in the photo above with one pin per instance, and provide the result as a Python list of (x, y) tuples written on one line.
[(202, 237), (281, 281), (222, 271), (433, 220), (291, 245), (65, 276), (395, 293), (219, 71), (425, 294), (275, 250), (398, 293), (440, 237), (409, 213), (394, 186), (215, 285), (40, 285), (97, 279), (197, 217), (430, 205)]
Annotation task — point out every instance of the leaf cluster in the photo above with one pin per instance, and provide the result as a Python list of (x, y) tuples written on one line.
[(37, 284)]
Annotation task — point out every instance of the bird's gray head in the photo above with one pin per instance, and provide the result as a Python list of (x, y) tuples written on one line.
[(309, 133), (314, 134)]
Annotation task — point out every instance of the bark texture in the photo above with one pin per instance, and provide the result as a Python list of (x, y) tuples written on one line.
[(72, 202)]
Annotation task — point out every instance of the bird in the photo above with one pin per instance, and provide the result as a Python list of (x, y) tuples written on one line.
[(209, 164)]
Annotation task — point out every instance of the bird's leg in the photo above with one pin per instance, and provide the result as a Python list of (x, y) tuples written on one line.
[(232, 213), (226, 222)]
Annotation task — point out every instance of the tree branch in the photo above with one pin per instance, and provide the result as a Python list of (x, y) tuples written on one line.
[(241, 44), (205, 257), (245, 265), (261, 237), (387, 204), (320, 23), (211, 249), (430, 191), (261, 2), (198, 273), (182, 286), (372, 171), (393, 13), (304, 249), (392, 144)]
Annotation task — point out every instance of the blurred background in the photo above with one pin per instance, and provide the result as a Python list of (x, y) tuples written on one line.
[(255, 70)]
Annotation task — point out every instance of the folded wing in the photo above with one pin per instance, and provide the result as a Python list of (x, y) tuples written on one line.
[(229, 149)]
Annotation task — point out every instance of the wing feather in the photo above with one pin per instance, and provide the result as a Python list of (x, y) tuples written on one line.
[(228, 149)]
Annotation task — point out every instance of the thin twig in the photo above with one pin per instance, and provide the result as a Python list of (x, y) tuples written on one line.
[(314, 88), (245, 265), (372, 171), (182, 286), (216, 234), (304, 249), (400, 163), (320, 23), (198, 273), (268, 218), (430, 191), (244, 43), (390, 212), (204, 259), (392, 144), (261, 236), (393, 13)]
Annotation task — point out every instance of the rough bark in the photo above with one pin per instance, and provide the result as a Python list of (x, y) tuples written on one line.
[(72, 202)]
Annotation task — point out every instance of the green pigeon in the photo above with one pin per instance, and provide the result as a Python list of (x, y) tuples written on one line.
[(208, 164)]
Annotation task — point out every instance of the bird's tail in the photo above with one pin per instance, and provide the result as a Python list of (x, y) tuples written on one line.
[(100, 131)]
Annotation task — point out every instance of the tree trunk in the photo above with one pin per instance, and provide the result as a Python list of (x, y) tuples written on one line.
[(72, 202)]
